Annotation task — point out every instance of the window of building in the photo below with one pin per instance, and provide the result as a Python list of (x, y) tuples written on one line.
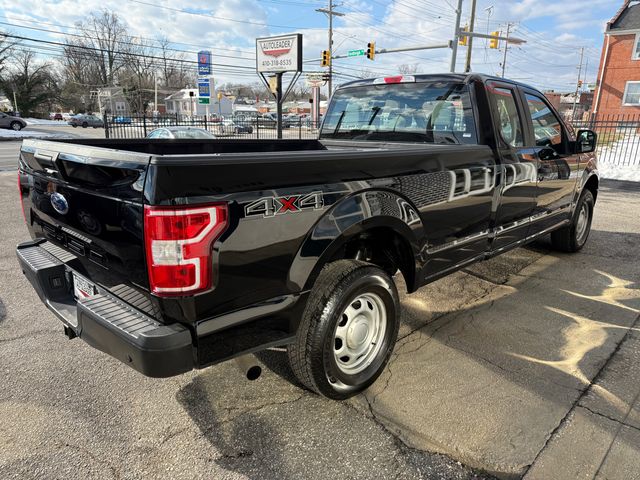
[(632, 94), (636, 48)]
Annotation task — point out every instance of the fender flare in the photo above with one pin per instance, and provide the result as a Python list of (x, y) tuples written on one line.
[(345, 220)]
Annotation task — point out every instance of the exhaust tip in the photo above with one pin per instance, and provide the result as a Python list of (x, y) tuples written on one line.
[(254, 372)]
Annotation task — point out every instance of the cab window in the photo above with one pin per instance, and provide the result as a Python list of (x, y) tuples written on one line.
[(547, 128), (509, 123)]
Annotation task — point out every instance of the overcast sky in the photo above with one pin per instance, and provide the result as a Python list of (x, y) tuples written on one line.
[(554, 30)]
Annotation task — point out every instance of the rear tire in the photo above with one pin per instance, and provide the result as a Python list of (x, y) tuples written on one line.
[(574, 236), (85, 124), (348, 329)]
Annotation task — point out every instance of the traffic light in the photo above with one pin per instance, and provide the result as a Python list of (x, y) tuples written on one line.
[(371, 50), (493, 43), (326, 58), (464, 40)]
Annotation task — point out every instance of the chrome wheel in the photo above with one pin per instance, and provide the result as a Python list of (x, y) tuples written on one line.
[(582, 223), (360, 333)]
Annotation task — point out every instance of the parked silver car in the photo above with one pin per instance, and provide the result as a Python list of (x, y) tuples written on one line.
[(85, 121), (181, 133), (9, 121)]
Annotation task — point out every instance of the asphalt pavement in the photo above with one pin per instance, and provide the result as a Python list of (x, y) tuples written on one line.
[(69, 411), (9, 155), (522, 365)]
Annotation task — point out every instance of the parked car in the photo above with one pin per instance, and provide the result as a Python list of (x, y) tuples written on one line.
[(57, 116), (229, 127), (85, 121), (181, 133), (211, 250), (122, 119), (12, 122)]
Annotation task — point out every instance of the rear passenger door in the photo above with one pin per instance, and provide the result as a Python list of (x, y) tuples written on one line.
[(554, 146), (518, 166)]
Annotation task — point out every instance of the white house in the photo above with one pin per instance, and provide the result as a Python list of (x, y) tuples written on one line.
[(185, 102)]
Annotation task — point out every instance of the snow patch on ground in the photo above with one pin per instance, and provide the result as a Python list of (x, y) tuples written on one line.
[(43, 121), (621, 160), (17, 135)]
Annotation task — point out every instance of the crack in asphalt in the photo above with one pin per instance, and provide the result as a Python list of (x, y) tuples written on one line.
[(582, 394), (114, 470), (610, 418), (243, 410)]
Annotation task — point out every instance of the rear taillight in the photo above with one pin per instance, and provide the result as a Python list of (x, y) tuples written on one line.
[(24, 215), (179, 247)]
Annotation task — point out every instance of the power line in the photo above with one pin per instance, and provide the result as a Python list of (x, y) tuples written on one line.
[(130, 54)]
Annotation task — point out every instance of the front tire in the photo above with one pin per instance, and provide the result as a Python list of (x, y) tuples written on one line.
[(85, 124), (16, 126), (348, 329), (574, 236)]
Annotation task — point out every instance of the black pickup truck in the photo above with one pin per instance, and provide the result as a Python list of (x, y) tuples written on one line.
[(172, 255)]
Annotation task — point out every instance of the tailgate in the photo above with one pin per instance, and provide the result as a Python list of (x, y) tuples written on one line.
[(87, 202)]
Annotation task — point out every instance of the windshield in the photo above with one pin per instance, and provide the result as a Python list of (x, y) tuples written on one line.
[(433, 112)]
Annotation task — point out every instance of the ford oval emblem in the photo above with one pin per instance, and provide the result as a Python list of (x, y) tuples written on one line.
[(59, 203)]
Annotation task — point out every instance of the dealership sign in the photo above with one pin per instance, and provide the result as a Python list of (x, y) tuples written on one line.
[(279, 54)]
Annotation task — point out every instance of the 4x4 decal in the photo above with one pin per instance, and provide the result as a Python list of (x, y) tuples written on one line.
[(272, 206)]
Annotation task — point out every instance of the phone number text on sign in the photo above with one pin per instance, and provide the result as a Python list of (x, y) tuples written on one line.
[(285, 62)]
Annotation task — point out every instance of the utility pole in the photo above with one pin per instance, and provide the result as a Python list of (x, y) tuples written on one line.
[(456, 37), (472, 22), (489, 11), (15, 102), (155, 93), (575, 98), (506, 49), (330, 13)]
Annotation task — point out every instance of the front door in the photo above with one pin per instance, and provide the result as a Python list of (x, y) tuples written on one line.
[(557, 172)]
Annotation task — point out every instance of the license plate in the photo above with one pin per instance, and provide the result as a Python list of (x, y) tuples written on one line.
[(82, 288)]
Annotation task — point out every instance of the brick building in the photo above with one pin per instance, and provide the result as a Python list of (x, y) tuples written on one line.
[(618, 85)]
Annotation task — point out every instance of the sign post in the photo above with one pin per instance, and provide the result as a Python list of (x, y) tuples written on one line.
[(277, 55)]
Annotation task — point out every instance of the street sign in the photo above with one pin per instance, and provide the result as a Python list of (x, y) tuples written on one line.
[(203, 101), (279, 54), (356, 53), (204, 62), (204, 88)]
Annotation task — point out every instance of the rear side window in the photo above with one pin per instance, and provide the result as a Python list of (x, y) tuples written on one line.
[(509, 123)]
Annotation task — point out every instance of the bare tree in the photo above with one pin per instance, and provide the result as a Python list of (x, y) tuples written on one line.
[(6, 46), (138, 75), (409, 68), (33, 82), (175, 72), (99, 54)]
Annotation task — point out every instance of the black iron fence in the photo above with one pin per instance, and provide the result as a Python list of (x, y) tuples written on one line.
[(182, 126), (618, 138)]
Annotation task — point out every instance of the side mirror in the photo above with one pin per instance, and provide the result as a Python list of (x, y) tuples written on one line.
[(586, 141)]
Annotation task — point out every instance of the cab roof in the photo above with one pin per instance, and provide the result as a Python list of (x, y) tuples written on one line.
[(435, 77)]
